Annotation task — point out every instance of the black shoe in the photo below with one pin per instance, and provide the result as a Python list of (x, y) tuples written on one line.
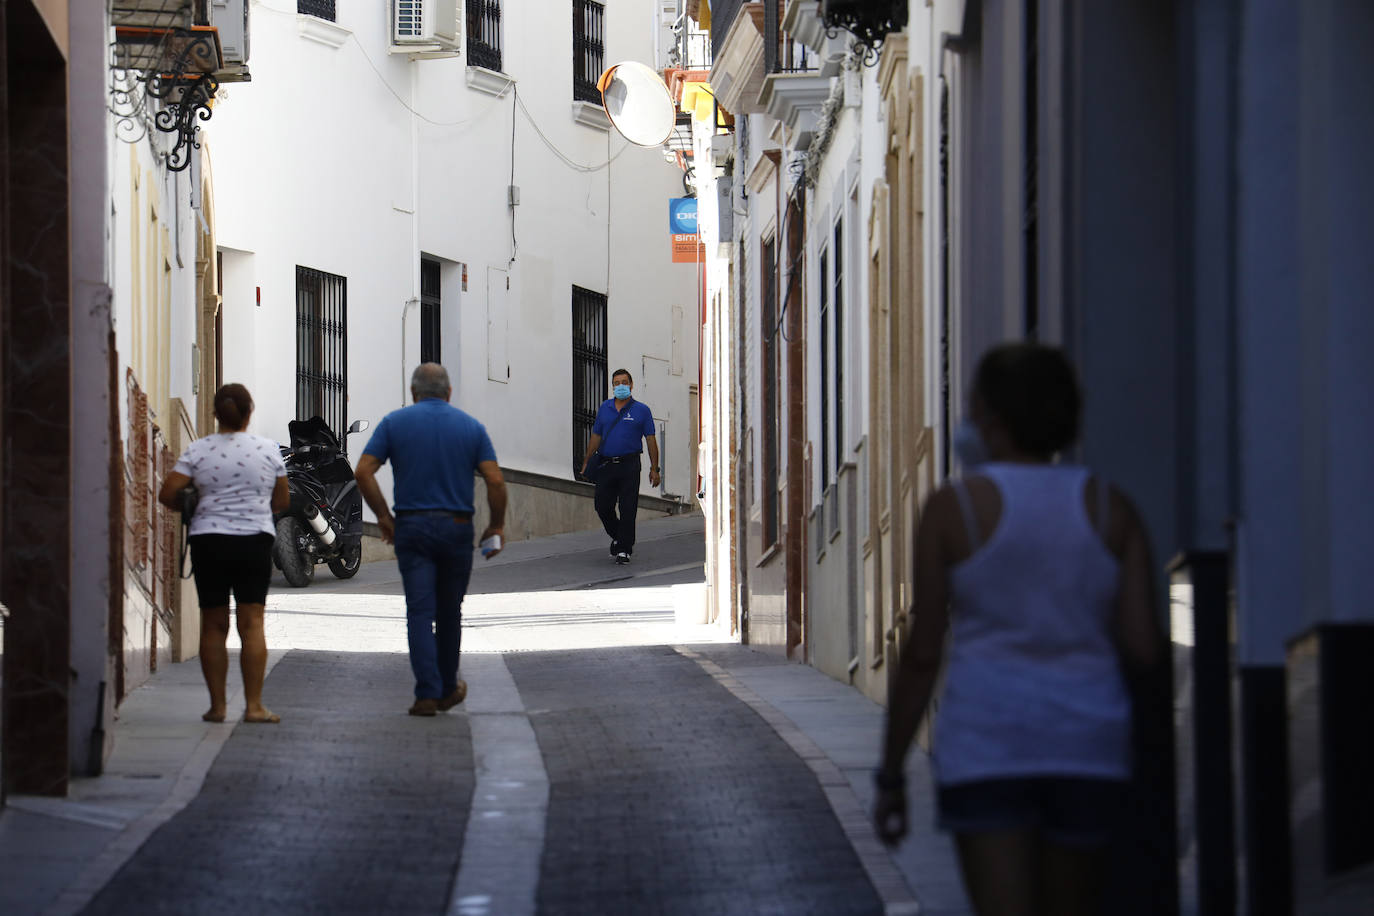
[(622, 558)]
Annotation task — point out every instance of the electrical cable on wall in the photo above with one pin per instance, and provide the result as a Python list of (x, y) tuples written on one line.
[(562, 157), (510, 200), (377, 70), (510, 83), (797, 198)]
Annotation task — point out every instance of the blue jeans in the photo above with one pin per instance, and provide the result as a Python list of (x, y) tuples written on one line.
[(434, 553)]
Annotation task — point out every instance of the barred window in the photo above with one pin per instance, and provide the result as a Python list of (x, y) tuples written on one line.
[(769, 371), (431, 312), (484, 34), (825, 367), (322, 348), (837, 318), (589, 48), (321, 9), (589, 367)]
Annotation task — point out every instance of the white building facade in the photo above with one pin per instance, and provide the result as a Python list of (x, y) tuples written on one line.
[(456, 195)]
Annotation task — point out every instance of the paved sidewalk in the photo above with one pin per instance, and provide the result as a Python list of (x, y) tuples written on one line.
[(55, 855)]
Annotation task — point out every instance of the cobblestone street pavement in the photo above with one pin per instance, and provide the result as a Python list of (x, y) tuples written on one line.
[(348, 806), (669, 796), (609, 759)]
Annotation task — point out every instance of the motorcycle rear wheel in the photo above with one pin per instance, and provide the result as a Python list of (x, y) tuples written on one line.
[(295, 564), (346, 566)]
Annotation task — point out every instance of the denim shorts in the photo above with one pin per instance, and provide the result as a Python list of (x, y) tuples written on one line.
[(1069, 810)]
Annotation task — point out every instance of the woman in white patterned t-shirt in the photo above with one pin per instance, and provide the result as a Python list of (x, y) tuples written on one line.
[(241, 480)]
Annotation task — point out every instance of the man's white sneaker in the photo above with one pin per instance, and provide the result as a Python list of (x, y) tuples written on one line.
[(622, 558)]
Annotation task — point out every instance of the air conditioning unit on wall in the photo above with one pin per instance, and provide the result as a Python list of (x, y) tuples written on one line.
[(230, 19), (427, 25)]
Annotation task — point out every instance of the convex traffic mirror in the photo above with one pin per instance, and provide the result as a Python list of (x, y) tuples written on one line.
[(638, 103)]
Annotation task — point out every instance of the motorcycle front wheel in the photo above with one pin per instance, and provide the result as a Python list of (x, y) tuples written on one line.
[(293, 561), (346, 565)]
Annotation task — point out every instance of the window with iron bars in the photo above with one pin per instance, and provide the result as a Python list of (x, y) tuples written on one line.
[(320, 9), (589, 48), (589, 367), (431, 312), (824, 321), (322, 348), (769, 372), (484, 34)]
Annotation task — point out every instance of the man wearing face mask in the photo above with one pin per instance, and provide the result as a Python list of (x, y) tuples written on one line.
[(621, 424)]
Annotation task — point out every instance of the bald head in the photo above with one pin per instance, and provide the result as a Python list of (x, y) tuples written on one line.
[(430, 380)]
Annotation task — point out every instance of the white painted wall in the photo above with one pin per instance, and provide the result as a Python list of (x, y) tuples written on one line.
[(355, 161)]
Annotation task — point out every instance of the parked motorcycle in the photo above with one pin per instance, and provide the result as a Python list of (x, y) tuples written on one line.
[(324, 523)]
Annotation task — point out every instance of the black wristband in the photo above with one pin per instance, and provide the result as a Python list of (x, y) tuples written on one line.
[(889, 783)]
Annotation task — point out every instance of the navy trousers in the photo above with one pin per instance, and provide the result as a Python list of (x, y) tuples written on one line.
[(617, 487)]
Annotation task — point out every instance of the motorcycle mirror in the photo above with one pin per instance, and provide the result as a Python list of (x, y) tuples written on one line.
[(357, 426)]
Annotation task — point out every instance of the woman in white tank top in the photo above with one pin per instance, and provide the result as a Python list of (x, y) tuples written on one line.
[(1042, 574)]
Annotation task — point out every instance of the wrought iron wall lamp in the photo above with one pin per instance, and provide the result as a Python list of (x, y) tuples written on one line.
[(176, 67), (869, 21)]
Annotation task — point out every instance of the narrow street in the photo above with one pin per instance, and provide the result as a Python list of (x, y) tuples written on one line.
[(608, 759)]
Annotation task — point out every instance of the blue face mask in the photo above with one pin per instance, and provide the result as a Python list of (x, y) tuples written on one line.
[(622, 392), (968, 445)]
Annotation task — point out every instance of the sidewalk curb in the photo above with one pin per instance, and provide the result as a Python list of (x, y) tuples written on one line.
[(128, 841), (887, 879)]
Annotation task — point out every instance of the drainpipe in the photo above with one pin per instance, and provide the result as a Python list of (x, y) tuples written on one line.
[(404, 309)]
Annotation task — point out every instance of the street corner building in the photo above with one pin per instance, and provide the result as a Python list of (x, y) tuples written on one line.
[(1170, 192)]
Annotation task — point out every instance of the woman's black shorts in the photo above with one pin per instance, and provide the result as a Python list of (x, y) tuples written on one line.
[(1069, 810), (241, 563)]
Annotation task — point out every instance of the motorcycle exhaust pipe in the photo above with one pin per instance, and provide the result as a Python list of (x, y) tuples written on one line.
[(319, 525)]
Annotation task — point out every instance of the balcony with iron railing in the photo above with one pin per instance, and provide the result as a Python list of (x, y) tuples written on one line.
[(794, 89), (691, 46)]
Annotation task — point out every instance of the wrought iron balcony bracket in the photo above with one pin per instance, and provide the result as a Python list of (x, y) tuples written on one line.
[(869, 21), (179, 76)]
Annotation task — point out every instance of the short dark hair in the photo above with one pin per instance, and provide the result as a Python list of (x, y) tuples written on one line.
[(233, 405), (624, 372), (1033, 390)]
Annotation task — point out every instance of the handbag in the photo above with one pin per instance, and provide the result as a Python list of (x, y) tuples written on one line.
[(597, 462), (190, 498)]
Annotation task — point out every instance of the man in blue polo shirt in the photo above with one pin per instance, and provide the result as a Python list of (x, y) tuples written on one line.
[(434, 449), (620, 425)]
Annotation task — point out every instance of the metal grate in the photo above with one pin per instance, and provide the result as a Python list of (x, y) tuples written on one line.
[(484, 34), (589, 48), (154, 14), (320, 9), (825, 368), (769, 373), (837, 319), (781, 53), (431, 312), (589, 367), (322, 348)]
